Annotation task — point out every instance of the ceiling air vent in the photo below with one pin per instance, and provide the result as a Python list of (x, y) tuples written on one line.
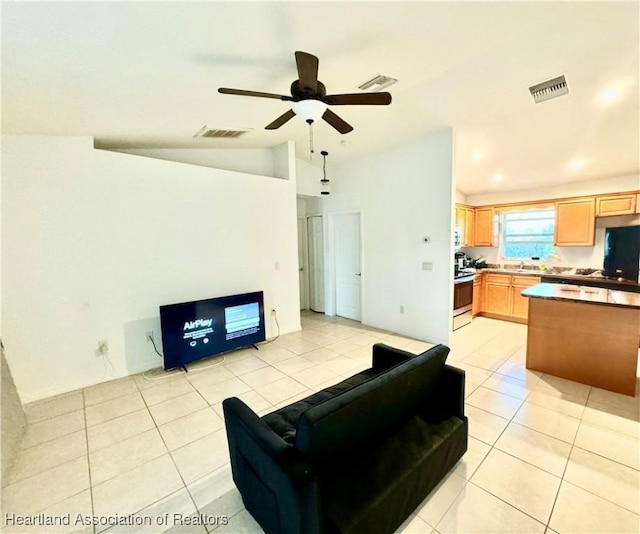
[(550, 89), (377, 83), (220, 133)]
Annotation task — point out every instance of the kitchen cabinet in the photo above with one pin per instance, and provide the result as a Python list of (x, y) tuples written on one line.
[(575, 222), (465, 217), (502, 296), (476, 306), (638, 203), (610, 205), (484, 235)]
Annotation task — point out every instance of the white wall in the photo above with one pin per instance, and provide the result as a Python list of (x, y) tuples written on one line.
[(95, 241), (308, 178), (404, 194)]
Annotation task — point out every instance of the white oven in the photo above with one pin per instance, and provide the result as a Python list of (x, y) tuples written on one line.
[(462, 300)]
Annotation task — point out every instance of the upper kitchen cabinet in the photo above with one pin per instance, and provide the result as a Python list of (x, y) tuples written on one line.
[(484, 228), (465, 221), (610, 205), (575, 222)]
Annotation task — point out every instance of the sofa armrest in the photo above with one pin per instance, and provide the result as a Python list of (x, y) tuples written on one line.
[(384, 357), (278, 486), (448, 398)]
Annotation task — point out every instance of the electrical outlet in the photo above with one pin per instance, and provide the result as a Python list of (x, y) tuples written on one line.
[(401, 309), (150, 336), (273, 310)]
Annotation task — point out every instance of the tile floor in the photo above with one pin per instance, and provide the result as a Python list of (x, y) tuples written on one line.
[(545, 455)]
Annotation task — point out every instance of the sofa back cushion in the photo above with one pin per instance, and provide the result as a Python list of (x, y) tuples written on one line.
[(370, 411)]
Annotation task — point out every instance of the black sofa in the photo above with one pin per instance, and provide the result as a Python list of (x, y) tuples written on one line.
[(357, 457)]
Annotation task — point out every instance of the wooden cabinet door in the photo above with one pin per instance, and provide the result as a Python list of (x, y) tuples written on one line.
[(468, 233), (575, 222), (615, 205), (483, 236), (497, 294), (476, 307), (520, 304), (638, 203)]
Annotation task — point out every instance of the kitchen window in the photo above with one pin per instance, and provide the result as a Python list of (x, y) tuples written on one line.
[(527, 234)]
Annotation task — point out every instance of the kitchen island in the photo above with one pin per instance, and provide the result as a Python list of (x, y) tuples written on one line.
[(586, 334)]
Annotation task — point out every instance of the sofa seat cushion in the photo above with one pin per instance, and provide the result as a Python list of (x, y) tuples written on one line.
[(379, 489), (284, 421)]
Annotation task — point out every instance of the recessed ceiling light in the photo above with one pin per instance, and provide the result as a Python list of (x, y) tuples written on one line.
[(576, 164), (477, 156), (610, 95), (497, 177)]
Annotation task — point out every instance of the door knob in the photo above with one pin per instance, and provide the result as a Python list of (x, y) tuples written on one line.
[(358, 274)]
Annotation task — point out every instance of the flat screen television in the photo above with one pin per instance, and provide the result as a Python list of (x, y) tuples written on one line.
[(203, 328), (622, 252)]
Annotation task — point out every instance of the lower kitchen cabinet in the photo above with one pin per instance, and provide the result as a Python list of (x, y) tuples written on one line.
[(502, 296), (476, 306)]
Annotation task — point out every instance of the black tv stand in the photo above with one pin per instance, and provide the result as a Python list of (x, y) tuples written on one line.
[(255, 346), (185, 368)]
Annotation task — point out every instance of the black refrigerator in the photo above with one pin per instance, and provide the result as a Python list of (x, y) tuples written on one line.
[(622, 252)]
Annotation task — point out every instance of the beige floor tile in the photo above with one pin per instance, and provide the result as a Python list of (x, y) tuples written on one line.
[(36, 493), (414, 525), (631, 405), (122, 456), (301, 346), (618, 447), (216, 494), (568, 405), (154, 377), (472, 373), (100, 413), (245, 366), (137, 488), (190, 428), (177, 407), (293, 365), (265, 375), (477, 511), (202, 456), (476, 452), (560, 387), (55, 427), (280, 390), (79, 503), (548, 422), (109, 390), (605, 478), (343, 366), (223, 390), (618, 419), (533, 447), (208, 377), (315, 375), (118, 429), (578, 511), (255, 401), (485, 426), (43, 457), (494, 402), (508, 385), (344, 347), (172, 514), (518, 370), (241, 523), (490, 363), (274, 354), (166, 391), (434, 506), (54, 406), (500, 348), (290, 400), (527, 488)]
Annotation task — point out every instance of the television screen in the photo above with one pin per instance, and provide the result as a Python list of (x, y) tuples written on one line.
[(202, 328), (622, 252)]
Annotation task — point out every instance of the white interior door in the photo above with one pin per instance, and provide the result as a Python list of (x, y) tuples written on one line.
[(316, 263), (302, 263), (348, 266)]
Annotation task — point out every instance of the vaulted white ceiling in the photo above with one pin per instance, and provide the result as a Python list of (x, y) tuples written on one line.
[(146, 75)]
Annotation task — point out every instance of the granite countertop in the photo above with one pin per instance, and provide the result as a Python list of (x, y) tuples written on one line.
[(577, 293)]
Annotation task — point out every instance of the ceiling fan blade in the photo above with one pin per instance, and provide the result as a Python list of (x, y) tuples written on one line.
[(335, 121), (280, 120), (307, 71), (358, 99), (242, 92)]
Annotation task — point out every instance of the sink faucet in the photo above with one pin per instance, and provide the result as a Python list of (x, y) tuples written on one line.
[(521, 265)]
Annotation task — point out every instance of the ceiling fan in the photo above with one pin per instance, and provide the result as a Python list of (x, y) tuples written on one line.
[(310, 98)]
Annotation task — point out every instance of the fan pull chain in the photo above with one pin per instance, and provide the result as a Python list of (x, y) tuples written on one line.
[(310, 122)]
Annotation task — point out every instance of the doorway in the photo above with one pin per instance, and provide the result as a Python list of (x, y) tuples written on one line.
[(348, 265), (315, 244), (303, 271)]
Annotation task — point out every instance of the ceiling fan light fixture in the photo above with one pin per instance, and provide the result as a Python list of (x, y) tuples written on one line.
[(309, 110)]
